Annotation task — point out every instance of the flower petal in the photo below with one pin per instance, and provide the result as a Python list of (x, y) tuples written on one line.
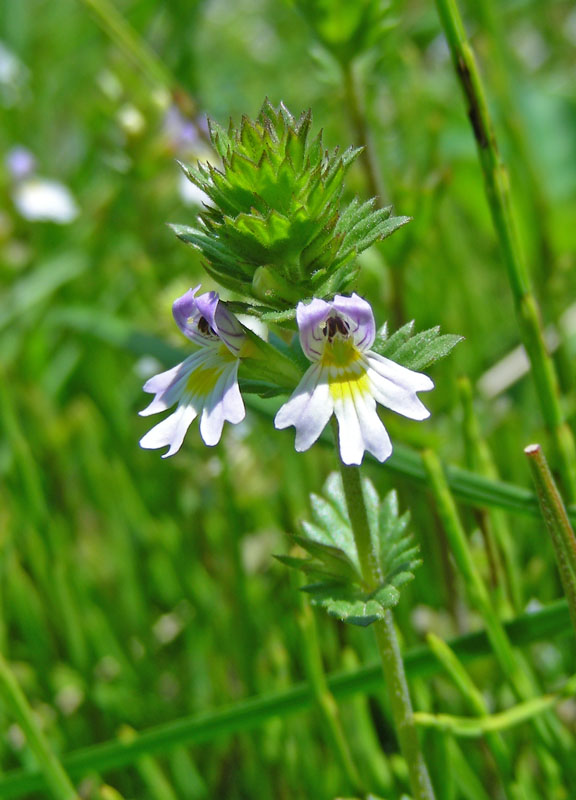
[(232, 402), (349, 432), (223, 403), (188, 310), (169, 386), (171, 431), (375, 435), (228, 329), (359, 427), (395, 386), (310, 317), (186, 314), (309, 408), (360, 316)]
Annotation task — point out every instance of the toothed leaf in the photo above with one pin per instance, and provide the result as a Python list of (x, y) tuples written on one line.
[(332, 561), (415, 350)]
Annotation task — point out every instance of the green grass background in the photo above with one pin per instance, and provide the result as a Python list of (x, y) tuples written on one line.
[(136, 591)]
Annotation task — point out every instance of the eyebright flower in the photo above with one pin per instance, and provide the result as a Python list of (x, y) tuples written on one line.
[(206, 382), (348, 379)]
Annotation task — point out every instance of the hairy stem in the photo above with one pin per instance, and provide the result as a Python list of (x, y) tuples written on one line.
[(388, 646)]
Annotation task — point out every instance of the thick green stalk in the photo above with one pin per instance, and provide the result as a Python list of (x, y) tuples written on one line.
[(56, 778), (388, 646), (496, 184), (557, 523), (324, 698)]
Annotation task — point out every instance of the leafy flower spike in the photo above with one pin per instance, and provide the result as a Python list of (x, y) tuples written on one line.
[(206, 382), (348, 379)]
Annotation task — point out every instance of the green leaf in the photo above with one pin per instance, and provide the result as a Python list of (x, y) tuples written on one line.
[(333, 561), (415, 350)]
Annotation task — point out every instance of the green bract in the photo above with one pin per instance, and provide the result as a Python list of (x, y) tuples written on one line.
[(276, 231), (333, 562), (415, 350)]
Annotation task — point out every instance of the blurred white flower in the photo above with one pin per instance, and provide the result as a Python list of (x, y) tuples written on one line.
[(191, 195), (131, 120), (42, 200)]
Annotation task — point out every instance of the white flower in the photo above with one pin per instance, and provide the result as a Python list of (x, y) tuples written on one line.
[(206, 383), (348, 379), (41, 200)]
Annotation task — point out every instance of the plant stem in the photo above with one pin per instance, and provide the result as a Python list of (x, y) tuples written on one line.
[(493, 723), (207, 727), (496, 184), (387, 640), (557, 523), (475, 701), (513, 666), (56, 778)]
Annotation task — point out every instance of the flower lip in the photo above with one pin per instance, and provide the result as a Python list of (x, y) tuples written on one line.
[(205, 319), (321, 322)]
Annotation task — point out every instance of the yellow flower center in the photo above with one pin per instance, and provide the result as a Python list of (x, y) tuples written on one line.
[(204, 379), (339, 353), (346, 374)]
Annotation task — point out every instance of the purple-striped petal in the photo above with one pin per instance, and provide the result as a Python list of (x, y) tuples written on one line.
[(206, 383), (359, 315), (186, 314), (346, 378), (310, 318), (206, 318)]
